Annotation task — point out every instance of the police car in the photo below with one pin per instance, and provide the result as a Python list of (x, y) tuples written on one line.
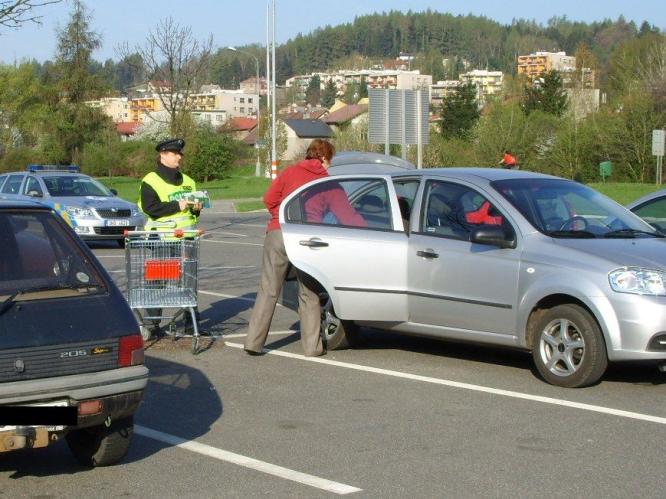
[(94, 211)]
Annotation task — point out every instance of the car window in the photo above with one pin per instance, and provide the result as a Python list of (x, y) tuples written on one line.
[(13, 184), (2, 181), (562, 208), (406, 192), (32, 187), (347, 203), (37, 254), (69, 185), (653, 212), (453, 210)]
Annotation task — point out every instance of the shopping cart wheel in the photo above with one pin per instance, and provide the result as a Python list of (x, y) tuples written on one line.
[(195, 344), (146, 332)]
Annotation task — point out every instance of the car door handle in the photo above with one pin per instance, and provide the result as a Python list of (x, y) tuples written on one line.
[(427, 253), (313, 243)]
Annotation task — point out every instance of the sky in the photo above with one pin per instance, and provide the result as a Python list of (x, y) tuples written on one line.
[(243, 22)]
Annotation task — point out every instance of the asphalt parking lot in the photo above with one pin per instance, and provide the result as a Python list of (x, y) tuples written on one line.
[(396, 417)]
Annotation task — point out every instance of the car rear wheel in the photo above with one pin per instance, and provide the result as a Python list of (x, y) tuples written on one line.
[(101, 445), (569, 348), (336, 333)]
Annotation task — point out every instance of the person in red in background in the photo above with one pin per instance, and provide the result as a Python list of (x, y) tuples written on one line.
[(483, 216), (509, 161), (276, 264)]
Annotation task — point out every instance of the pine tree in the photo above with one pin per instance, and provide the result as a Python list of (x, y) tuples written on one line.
[(546, 94), (460, 112), (329, 94), (313, 92)]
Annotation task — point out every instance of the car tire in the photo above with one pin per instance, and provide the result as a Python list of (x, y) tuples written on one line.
[(101, 445), (336, 333), (569, 349)]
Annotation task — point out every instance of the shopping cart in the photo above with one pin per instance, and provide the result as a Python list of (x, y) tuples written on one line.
[(162, 273)]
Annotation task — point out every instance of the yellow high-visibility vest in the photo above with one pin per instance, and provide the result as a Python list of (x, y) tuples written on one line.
[(169, 192)]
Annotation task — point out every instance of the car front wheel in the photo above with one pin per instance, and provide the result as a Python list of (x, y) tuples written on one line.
[(336, 333), (569, 348), (101, 445)]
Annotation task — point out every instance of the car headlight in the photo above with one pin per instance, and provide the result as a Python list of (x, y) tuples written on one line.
[(77, 212), (136, 212), (638, 281)]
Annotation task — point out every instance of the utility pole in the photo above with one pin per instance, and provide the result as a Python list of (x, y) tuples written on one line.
[(274, 162), (269, 105)]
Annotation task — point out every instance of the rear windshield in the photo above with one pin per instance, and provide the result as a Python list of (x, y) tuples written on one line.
[(39, 257), (69, 185)]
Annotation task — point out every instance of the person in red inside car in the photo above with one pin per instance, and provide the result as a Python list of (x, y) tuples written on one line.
[(483, 216), (275, 262), (509, 161)]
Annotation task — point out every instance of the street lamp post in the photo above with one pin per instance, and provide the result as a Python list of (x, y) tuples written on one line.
[(257, 90)]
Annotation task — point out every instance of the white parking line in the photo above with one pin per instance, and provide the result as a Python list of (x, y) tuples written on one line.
[(224, 232), (231, 242), (468, 386), (235, 297), (110, 256), (247, 462)]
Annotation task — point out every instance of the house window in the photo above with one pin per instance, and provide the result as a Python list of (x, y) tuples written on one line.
[(242, 109), (249, 100), (242, 100), (219, 117)]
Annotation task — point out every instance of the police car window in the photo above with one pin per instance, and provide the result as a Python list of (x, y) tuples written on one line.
[(452, 210), (2, 181), (32, 186), (12, 185)]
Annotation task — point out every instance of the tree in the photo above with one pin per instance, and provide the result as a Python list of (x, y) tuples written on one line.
[(212, 154), (546, 94), (178, 62), (15, 13), (329, 94), (460, 112), (313, 92)]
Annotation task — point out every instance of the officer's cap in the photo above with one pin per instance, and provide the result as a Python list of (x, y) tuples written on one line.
[(175, 145)]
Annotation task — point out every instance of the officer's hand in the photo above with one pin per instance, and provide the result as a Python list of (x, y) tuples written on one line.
[(183, 204)]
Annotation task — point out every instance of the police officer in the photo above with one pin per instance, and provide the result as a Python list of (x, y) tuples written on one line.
[(162, 199), (163, 191)]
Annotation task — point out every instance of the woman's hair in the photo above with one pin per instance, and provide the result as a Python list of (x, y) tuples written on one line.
[(319, 149)]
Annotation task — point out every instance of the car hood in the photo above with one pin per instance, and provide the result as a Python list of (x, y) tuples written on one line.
[(93, 201), (639, 252)]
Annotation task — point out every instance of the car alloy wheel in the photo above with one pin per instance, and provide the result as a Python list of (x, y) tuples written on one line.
[(336, 333), (562, 348)]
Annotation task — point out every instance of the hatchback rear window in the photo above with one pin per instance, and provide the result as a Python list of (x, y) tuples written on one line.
[(37, 254)]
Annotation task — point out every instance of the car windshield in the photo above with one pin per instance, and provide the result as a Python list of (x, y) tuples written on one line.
[(39, 258), (566, 209), (69, 185)]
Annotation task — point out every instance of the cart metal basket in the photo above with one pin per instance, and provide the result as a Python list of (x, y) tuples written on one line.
[(162, 273)]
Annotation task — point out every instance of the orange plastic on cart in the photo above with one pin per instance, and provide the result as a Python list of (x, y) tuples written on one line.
[(154, 270)]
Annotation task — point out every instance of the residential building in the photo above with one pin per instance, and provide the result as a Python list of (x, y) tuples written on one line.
[(140, 107), (214, 117), (534, 65), (116, 108), (300, 133), (234, 103), (351, 115), (441, 90), (240, 127), (582, 101), (393, 79), (250, 86), (488, 83)]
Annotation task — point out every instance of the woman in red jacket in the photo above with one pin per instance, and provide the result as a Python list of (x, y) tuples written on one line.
[(275, 261)]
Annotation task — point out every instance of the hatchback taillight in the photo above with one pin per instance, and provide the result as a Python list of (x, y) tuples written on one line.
[(130, 351)]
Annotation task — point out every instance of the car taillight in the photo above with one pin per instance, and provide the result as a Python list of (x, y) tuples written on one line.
[(130, 351)]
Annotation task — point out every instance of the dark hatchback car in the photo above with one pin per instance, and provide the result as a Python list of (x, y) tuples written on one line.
[(68, 339)]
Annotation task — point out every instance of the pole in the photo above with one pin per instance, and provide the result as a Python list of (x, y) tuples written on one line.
[(387, 147), (403, 147), (419, 135), (274, 162), (269, 106)]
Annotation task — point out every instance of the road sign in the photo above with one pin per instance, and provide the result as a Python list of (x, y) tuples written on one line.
[(658, 139), (395, 112)]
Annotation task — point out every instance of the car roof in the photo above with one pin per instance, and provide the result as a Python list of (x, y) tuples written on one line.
[(475, 173), (49, 173), (351, 162), (646, 198)]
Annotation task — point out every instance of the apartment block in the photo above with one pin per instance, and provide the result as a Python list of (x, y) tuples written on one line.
[(441, 90), (488, 83), (117, 108), (234, 103), (534, 65), (141, 106)]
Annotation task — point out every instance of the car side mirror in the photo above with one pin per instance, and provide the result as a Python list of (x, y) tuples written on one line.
[(35, 194), (493, 236), (114, 192)]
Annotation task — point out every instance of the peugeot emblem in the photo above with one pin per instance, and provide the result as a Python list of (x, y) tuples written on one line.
[(19, 366)]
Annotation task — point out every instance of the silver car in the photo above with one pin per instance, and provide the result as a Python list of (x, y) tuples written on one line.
[(94, 211), (504, 257), (652, 209)]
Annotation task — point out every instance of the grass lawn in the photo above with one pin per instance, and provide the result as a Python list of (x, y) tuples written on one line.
[(624, 193)]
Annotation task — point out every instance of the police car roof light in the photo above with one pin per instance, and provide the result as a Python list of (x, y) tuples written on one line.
[(54, 168)]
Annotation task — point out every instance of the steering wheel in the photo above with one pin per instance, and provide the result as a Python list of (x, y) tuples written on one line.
[(570, 223)]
